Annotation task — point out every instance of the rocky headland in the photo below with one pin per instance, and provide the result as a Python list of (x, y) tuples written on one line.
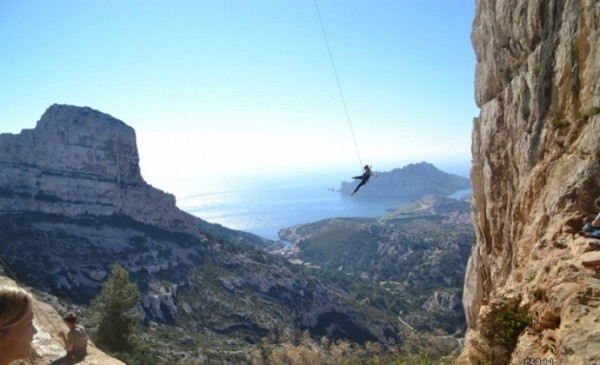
[(411, 181)]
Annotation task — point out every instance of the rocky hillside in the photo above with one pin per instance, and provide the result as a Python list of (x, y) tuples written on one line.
[(46, 344), (411, 181), (73, 202), (411, 261), (536, 172)]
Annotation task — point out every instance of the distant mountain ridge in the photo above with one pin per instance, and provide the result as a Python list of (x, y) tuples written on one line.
[(413, 180)]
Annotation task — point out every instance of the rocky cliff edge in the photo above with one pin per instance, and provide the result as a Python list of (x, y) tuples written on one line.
[(46, 345), (535, 174)]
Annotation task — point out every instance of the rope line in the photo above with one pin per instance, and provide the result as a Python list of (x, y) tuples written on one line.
[(339, 85), (10, 272)]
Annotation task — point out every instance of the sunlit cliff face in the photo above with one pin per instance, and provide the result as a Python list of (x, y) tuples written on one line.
[(535, 176)]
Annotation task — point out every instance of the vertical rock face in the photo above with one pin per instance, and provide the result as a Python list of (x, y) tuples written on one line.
[(79, 140), (536, 172), (89, 157)]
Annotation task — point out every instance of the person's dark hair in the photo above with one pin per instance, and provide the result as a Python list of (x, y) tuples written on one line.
[(366, 167), (70, 317)]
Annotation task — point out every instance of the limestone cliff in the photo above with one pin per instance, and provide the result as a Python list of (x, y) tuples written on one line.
[(535, 174), (78, 161), (46, 345)]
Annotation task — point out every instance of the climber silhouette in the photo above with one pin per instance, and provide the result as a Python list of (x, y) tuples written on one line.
[(367, 173)]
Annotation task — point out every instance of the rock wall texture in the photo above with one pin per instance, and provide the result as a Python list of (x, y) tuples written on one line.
[(535, 174), (88, 156)]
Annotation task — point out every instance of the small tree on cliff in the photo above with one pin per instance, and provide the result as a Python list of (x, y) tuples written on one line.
[(114, 311)]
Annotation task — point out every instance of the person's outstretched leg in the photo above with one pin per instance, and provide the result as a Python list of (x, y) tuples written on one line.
[(358, 187)]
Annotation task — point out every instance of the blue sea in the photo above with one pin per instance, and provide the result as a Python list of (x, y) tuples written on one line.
[(264, 206)]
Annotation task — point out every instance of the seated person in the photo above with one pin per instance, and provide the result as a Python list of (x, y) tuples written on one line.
[(593, 229), (75, 342)]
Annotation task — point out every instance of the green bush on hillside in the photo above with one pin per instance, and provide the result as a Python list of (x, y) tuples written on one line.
[(114, 313)]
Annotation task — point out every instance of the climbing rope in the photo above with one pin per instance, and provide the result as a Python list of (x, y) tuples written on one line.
[(337, 79)]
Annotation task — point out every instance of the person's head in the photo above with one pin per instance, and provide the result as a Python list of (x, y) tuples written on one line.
[(367, 167), (16, 324), (597, 203), (70, 319)]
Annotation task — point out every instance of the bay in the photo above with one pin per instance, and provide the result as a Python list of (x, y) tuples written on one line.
[(263, 206)]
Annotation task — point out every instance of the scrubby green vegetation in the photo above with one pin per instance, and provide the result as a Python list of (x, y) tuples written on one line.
[(560, 123), (236, 299), (394, 267), (326, 352), (525, 111), (300, 349), (509, 325), (589, 112), (114, 313)]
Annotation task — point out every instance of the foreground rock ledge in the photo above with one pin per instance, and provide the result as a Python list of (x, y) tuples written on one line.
[(46, 344)]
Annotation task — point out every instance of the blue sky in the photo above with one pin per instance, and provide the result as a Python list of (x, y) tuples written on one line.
[(229, 88)]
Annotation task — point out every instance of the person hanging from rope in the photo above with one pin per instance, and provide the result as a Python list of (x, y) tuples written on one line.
[(367, 173), (16, 324), (75, 342)]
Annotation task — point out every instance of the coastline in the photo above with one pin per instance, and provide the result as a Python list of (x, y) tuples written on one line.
[(264, 209)]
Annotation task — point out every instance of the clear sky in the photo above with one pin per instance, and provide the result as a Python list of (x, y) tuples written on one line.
[(225, 88)]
